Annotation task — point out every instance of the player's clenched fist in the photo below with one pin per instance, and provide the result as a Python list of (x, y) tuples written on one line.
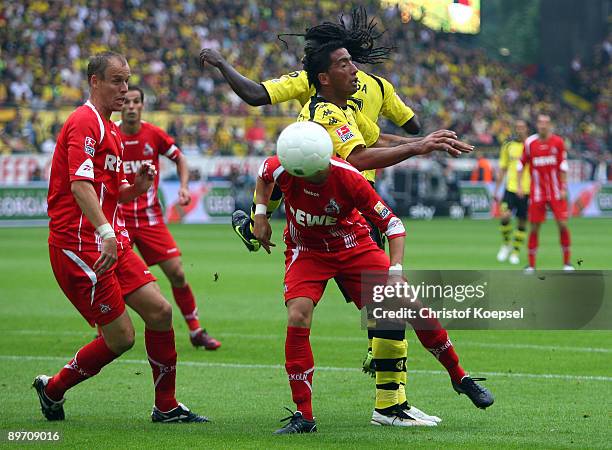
[(210, 56), (263, 231), (108, 256), (144, 177)]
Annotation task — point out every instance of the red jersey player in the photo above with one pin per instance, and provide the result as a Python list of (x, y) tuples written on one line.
[(545, 154), (326, 238), (90, 251), (143, 215)]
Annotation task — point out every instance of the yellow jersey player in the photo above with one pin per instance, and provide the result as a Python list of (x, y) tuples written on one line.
[(511, 203), (375, 97)]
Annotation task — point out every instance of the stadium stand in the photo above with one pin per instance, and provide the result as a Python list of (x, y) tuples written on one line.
[(44, 48)]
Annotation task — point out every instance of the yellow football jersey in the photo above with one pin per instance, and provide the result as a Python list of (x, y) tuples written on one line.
[(509, 156), (348, 127), (374, 97)]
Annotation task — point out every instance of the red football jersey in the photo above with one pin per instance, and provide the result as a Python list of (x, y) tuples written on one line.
[(145, 146), (88, 148), (546, 160), (325, 217)]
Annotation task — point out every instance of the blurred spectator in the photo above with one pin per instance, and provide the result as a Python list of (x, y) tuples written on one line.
[(256, 137), (483, 171)]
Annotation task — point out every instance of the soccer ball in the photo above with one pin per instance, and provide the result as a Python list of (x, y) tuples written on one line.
[(304, 148)]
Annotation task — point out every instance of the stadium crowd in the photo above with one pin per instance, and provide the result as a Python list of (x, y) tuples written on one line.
[(44, 46)]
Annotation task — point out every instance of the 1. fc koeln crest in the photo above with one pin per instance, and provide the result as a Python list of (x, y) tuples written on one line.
[(332, 208)]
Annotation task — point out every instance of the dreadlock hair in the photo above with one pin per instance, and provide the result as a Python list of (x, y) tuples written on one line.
[(317, 59), (358, 38)]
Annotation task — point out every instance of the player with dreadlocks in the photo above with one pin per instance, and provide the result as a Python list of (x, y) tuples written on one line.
[(375, 95)]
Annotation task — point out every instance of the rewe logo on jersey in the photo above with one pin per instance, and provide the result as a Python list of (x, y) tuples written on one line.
[(133, 166), (540, 161), (113, 163), (310, 220)]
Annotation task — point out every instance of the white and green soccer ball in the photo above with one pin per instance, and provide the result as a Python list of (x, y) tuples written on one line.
[(304, 148)]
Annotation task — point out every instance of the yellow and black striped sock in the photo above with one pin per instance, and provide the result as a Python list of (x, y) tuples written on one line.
[(402, 399), (506, 231), (519, 239), (390, 360), (275, 200)]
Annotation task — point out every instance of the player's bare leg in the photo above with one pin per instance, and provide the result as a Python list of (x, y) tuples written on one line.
[(565, 241), (156, 312), (181, 291), (299, 363), (117, 338)]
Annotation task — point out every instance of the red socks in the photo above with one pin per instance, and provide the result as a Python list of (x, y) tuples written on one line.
[(300, 368), (533, 248), (564, 238), (435, 339), (186, 302), (162, 358), (87, 362)]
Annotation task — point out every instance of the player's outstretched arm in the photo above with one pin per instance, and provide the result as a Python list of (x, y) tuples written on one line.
[(182, 170), (142, 182), (501, 174), (261, 225), (248, 90), (363, 158), (396, 250)]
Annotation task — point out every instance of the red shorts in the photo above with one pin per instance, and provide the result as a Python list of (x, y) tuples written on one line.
[(99, 299), (155, 243), (307, 272), (537, 210)]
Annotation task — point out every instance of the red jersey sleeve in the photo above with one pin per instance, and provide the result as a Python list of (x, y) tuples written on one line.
[(271, 170), (369, 203), (82, 142), (561, 158), (525, 157), (167, 146)]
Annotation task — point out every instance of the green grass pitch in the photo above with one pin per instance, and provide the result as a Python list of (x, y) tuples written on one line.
[(552, 389)]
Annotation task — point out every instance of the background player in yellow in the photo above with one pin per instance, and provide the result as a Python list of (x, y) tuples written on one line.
[(511, 203)]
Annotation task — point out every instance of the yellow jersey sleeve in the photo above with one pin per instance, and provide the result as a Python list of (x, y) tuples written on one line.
[(503, 156), (340, 124), (393, 107), (367, 127), (292, 86)]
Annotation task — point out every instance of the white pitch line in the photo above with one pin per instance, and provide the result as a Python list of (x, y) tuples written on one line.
[(549, 376), (342, 339)]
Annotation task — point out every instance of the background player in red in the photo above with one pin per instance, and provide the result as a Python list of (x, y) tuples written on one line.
[(326, 238), (545, 153), (90, 251), (144, 218)]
